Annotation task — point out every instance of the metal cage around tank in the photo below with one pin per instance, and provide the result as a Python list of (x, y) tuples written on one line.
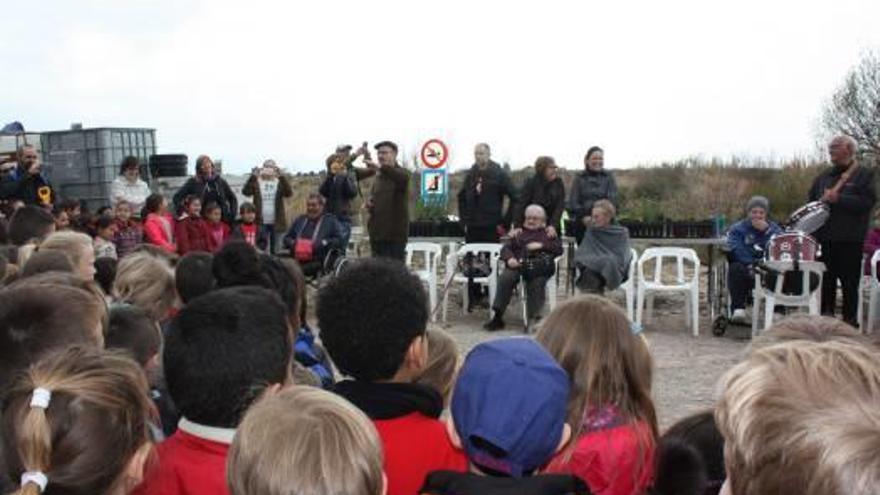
[(82, 163)]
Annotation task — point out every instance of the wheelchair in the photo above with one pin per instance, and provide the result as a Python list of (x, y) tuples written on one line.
[(318, 272)]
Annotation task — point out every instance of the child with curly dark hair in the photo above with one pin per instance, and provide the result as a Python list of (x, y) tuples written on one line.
[(373, 320)]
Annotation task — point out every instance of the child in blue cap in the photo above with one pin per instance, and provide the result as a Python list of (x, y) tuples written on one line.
[(508, 414)]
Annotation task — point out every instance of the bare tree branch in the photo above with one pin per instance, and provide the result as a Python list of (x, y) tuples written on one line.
[(854, 109)]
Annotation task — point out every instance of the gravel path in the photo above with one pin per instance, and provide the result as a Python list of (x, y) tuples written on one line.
[(687, 369)]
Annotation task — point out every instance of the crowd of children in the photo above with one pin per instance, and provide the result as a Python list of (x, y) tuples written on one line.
[(174, 356)]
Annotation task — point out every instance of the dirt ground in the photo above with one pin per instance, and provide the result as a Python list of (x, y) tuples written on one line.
[(687, 369)]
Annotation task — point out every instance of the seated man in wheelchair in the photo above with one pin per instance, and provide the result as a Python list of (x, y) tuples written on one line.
[(604, 255), (747, 241), (530, 255), (315, 237)]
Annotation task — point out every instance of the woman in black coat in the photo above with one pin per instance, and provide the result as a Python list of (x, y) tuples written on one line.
[(210, 188), (545, 188)]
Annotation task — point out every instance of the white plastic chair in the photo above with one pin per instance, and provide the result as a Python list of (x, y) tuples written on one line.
[(691, 287), (550, 290), (775, 297), (428, 275), (491, 281), (870, 284), (629, 287)]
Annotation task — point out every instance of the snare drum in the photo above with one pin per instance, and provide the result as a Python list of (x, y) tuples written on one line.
[(809, 218), (790, 246)]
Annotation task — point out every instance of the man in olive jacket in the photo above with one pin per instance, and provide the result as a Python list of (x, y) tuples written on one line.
[(388, 205)]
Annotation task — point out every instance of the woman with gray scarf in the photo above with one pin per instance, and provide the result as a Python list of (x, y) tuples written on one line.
[(604, 255)]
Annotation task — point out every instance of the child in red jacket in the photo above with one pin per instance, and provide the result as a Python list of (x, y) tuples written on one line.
[(248, 230), (610, 408), (222, 352), (218, 231), (373, 319), (191, 231)]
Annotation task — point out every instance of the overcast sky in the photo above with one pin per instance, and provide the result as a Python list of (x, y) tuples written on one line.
[(247, 80)]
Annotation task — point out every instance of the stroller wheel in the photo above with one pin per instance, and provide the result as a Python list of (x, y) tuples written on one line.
[(719, 326)]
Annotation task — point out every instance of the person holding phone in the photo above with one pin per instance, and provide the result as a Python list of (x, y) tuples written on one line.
[(268, 187), (27, 183), (340, 187)]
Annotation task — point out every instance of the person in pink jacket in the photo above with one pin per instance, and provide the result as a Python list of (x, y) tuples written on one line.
[(158, 226), (872, 243)]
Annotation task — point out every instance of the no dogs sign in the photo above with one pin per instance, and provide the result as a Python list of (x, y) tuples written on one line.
[(434, 153)]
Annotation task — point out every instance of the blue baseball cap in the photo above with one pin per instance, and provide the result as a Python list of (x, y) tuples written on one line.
[(509, 405)]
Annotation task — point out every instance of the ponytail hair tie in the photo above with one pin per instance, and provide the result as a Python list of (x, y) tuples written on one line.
[(41, 398), (36, 477)]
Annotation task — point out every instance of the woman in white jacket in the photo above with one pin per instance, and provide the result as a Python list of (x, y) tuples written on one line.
[(129, 187)]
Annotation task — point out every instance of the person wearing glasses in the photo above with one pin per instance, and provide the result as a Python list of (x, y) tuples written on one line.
[(530, 256)]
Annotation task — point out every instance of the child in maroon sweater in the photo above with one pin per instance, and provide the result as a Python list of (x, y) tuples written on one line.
[(191, 232)]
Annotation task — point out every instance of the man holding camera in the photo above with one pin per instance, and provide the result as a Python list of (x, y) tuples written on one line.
[(341, 185), (27, 182)]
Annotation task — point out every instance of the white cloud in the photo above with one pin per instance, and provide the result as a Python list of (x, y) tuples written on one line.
[(247, 80)]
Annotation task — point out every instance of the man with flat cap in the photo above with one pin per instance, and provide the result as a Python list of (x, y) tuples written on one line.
[(388, 225)]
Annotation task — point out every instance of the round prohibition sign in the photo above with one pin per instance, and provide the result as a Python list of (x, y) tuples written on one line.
[(434, 153)]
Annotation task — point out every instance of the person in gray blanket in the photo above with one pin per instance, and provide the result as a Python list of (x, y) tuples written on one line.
[(603, 255)]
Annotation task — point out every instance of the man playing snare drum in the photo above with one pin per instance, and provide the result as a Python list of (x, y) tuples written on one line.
[(747, 241), (848, 189)]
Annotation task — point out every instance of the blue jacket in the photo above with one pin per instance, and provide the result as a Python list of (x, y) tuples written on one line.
[(30, 189), (329, 235), (312, 356), (748, 244)]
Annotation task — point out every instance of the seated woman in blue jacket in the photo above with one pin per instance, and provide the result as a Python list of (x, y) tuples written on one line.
[(747, 241), (313, 235)]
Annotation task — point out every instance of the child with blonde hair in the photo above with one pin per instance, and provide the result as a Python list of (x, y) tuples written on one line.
[(146, 281), (78, 247), (77, 422), (802, 417), (304, 440), (610, 408), (443, 363)]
